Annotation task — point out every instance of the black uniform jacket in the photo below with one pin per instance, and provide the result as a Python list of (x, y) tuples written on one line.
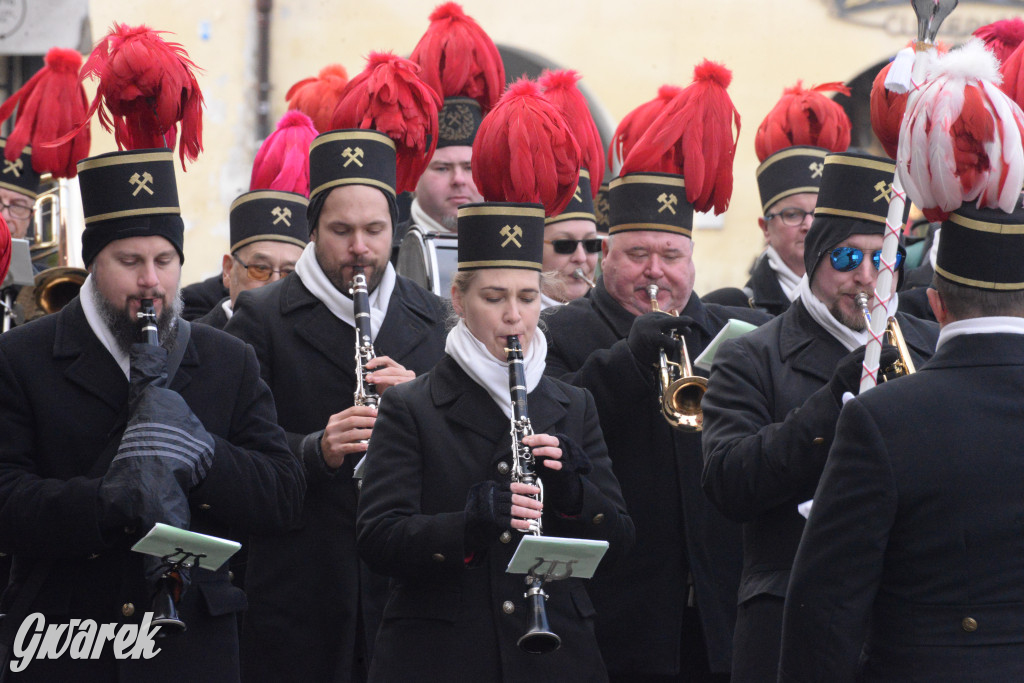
[(679, 533), (304, 586), (445, 620), (759, 465), (762, 291), (63, 400), (217, 317), (201, 297), (918, 528)]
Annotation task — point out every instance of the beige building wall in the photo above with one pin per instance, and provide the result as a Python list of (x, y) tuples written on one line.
[(625, 50)]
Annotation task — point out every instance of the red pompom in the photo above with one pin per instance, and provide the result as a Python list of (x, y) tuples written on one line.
[(389, 97), (282, 162), (804, 117), (694, 137), (317, 97), (560, 89), (146, 88), (1002, 37), (50, 105), (531, 155), (458, 59)]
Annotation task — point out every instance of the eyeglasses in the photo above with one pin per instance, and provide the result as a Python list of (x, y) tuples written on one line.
[(17, 210), (791, 217), (261, 273), (591, 246), (845, 259)]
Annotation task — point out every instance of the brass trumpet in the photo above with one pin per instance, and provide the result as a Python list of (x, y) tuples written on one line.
[(904, 365), (681, 390)]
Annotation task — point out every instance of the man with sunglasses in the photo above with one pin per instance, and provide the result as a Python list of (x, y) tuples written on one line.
[(268, 233), (571, 246), (774, 395)]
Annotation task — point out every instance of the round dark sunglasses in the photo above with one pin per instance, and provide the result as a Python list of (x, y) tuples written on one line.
[(845, 259), (591, 246)]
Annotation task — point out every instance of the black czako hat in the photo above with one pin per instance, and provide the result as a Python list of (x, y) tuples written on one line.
[(581, 206), (269, 215), (501, 235), (18, 175), (983, 248), (649, 201), (793, 170)]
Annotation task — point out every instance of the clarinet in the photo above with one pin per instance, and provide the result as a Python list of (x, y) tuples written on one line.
[(538, 639), (366, 393), (165, 603)]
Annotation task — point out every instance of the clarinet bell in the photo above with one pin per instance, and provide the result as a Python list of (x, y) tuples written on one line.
[(539, 639), (165, 612)]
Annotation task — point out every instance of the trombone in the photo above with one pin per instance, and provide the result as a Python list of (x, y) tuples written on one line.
[(681, 390)]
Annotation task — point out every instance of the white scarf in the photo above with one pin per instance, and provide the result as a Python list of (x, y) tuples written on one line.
[(788, 280), (987, 325), (226, 305), (491, 373), (844, 335), (547, 302), (420, 218), (99, 327), (308, 269)]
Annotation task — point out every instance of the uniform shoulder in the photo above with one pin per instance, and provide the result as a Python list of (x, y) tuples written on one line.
[(721, 313), (568, 314)]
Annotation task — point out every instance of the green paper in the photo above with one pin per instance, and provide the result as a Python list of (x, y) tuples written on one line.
[(163, 540), (584, 555), (733, 328)]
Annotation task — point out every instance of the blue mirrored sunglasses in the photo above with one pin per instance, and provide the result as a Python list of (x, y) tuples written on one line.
[(845, 259)]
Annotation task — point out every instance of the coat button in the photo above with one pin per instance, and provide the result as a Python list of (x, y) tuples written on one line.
[(818, 440), (969, 625), (204, 507), (507, 607), (93, 556), (128, 609), (437, 557), (598, 518), (505, 537), (231, 575), (503, 467)]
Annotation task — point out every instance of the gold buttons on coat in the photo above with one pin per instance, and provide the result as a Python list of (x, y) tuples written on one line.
[(505, 537), (503, 467), (128, 609), (598, 518), (818, 440), (507, 607), (204, 507), (437, 557), (968, 624)]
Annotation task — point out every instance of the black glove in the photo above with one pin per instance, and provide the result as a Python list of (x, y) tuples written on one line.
[(164, 453), (488, 513), (848, 371), (651, 332), (563, 489)]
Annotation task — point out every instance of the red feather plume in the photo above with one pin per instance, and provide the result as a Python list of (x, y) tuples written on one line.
[(560, 89), (146, 88), (1012, 71), (635, 123), (282, 162), (887, 108), (804, 117), (50, 105), (458, 59), (316, 97), (5, 248), (389, 97), (693, 137), (531, 155), (1002, 37)]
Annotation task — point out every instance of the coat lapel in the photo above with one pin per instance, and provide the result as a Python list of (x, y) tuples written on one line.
[(408, 323), (316, 325), (806, 346), (92, 367)]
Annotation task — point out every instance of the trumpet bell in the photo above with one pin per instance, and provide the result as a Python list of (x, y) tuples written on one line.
[(680, 403)]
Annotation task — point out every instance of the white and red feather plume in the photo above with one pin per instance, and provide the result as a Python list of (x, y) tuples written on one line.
[(694, 137), (459, 59), (805, 117), (282, 162), (388, 96), (317, 97), (634, 124), (962, 138), (50, 105), (528, 152), (561, 90), (147, 86), (887, 107)]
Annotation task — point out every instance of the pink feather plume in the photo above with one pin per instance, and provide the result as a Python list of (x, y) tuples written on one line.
[(282, 162)]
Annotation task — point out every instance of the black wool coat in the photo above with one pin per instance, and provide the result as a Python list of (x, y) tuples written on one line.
[(216, 317), (304, 586), (63, 400), (763, 459), (452, 620), (910, 566), (762, 291), (640, 606), (201, 297)]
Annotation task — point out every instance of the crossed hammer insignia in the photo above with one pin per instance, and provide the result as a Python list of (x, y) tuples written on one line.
[(512, 234), (668, 201), (352, 155), (14, 167), (884, 191), (817, 167), (282, 214), (577, 195), (141, 182)]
